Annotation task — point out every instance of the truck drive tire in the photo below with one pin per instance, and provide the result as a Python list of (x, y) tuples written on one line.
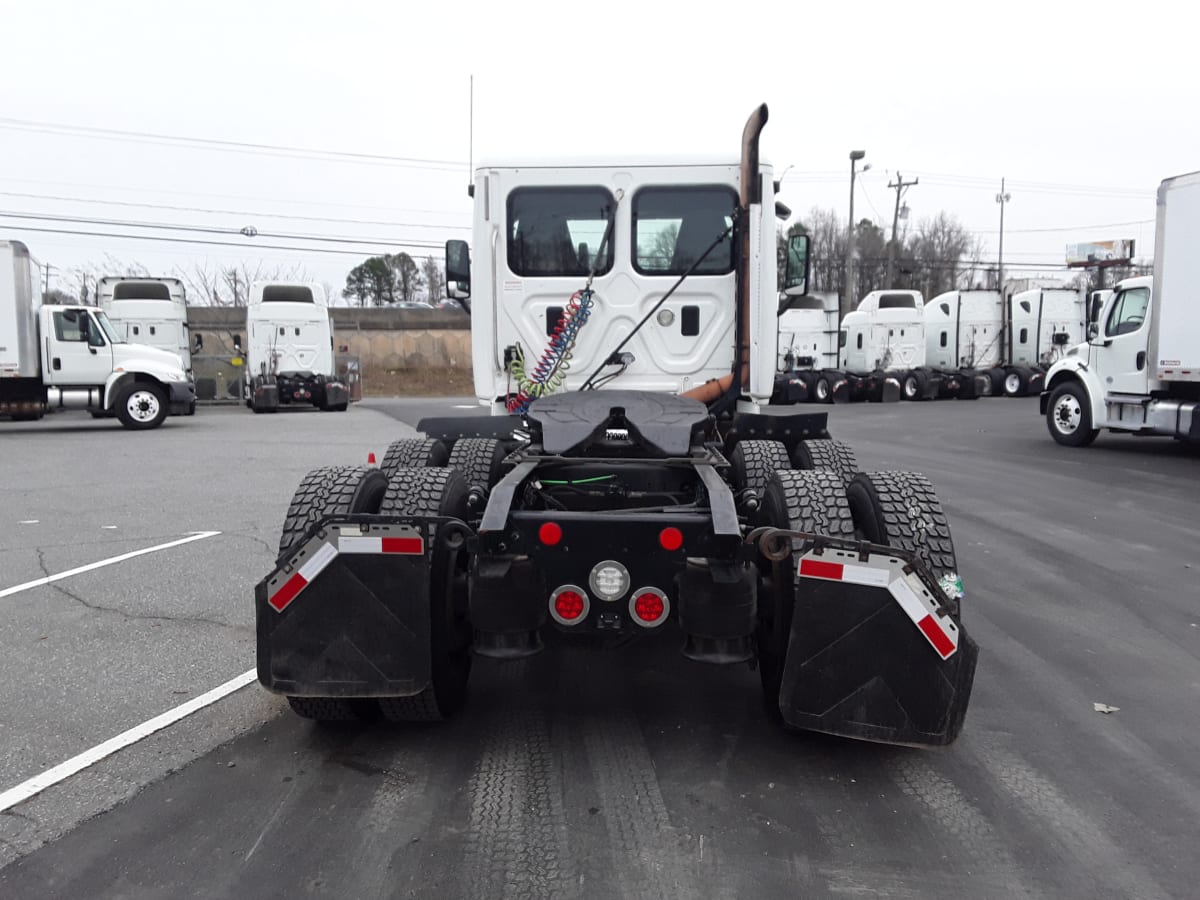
[(479, 460), (822, 390), (410, 453), (901, 509), (824, 453), (1069, 416), (754, 462), (806, 500), (436, 492), (328, 491), (142, 406), (1016, 382), (331, 491)]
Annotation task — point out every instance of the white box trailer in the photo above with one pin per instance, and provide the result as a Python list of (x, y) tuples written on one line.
[(1139, 370), (56, 357)]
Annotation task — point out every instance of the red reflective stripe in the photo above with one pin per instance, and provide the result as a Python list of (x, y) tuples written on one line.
[(815, 568), (288, 592), (410, 545), (941, 643)]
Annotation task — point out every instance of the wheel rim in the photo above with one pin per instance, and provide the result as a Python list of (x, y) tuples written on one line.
[(143, 406), (910, 387), (1012, 383), (822, 389), (1067, 414)]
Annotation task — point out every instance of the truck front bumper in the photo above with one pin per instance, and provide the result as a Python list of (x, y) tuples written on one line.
[(183, 398)]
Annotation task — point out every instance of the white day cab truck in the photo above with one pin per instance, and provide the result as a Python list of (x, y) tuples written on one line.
[(1139, 370), (632, 484), (289, 361), (71, 357), (808, 348), (150, 311)]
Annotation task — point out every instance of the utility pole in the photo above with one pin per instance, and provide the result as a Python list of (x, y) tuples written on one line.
[(47, 267), (1002, 198), (235, 288), (900, 187), (847, 303)]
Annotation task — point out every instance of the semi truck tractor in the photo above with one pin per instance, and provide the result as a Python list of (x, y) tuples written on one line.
[(56, 357), (633, 483), (808, 348), (150, 311), (289, 361), (1001, 344), (1138, 372)]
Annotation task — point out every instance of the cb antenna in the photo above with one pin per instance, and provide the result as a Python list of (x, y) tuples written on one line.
[(471, 137)]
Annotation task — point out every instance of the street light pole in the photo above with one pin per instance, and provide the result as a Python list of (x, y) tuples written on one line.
[(848, 292), (1002, 198)]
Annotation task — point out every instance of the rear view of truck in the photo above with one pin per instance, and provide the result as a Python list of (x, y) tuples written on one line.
[(20, 370), (290, 354)]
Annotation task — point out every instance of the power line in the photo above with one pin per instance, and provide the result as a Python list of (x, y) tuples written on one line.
[(197, 241), (1063, 228), (231, 212), (114, 134), (214, 229)]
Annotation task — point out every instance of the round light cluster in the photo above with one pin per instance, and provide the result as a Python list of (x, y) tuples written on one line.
[(569, 605), (609, 580), (649, 607)]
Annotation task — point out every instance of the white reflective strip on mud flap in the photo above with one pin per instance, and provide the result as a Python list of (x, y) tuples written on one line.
[(348, 544), (907, 590), (317, 562)]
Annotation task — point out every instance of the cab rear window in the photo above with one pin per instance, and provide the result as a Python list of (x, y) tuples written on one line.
[(558, 231)]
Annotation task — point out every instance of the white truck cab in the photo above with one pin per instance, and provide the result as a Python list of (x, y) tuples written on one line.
[(1139, 370), (72, 357), (572, 264), (151, 311), (886, 332), (289, 358)]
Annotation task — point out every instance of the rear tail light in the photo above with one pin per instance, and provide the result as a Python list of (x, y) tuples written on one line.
[(569, 605), (670, 538), (649, 607), (550, 533)]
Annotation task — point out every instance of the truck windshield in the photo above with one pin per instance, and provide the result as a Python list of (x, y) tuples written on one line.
[(107, 327)]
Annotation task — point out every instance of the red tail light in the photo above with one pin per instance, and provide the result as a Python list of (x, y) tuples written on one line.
[(649, 607), (569, 605), (550, 533), (670, 538)]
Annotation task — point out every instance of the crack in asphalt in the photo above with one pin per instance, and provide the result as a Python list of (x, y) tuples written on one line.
[(17, 815), (128, 616)]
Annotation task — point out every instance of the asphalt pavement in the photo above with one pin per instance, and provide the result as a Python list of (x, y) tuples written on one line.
[(626, 773)]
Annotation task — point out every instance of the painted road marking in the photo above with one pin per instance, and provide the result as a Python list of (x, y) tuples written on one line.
[(50, 579), (62, 771)]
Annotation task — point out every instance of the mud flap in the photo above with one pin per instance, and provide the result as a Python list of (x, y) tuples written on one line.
[(865, 661), (348, 615)]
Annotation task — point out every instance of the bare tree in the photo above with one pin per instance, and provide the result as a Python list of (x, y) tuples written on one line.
[(208, 284), (431, 271), (81, 280)]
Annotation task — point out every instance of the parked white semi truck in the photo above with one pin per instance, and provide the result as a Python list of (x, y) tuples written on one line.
[(808, 348), (151, 311), (882, 344), (71, 357), (290, 349), (1139, 370), (1001, 344)]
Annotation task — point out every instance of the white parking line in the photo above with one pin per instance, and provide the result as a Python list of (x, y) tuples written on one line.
[(53, 776), (49, 579)]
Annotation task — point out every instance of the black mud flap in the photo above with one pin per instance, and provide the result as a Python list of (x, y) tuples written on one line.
[(348, 615), (889, 391), (861, 664)]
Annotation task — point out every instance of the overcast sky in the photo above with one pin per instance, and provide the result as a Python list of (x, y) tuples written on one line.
[(1083, 107)]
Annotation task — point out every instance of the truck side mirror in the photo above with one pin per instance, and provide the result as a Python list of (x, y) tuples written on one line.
[(1093, 330), (458, 270), (198, 343), (795, 278), (237, 343)]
